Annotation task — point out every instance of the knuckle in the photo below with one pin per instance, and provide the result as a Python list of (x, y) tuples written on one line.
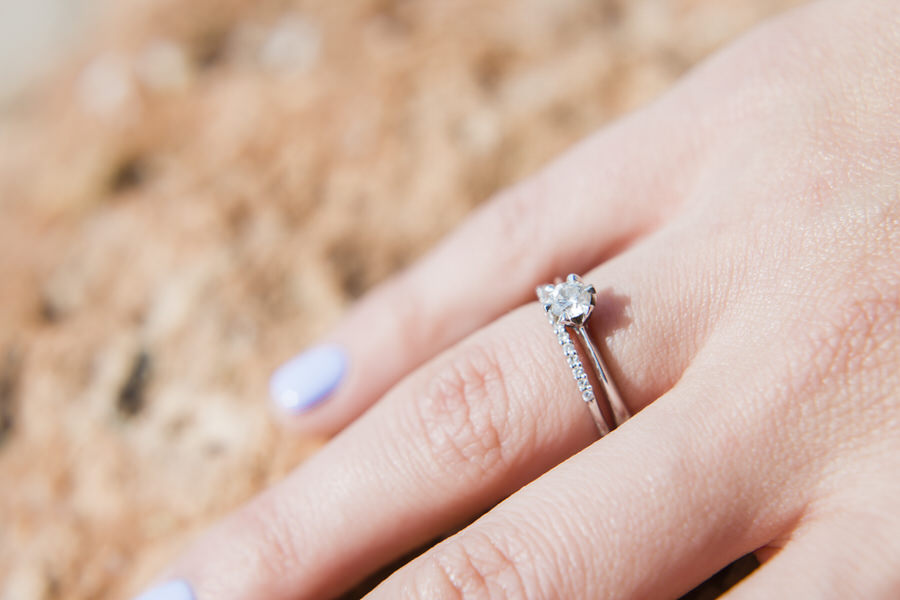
[(408, 305), (461, 413), (851, 334), (513, 222), (273, 552), (476, 568)]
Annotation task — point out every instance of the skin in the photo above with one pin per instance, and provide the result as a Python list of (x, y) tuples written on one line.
[(743, 233)]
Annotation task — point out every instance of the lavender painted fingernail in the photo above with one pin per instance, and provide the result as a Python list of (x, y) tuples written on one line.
[(172, 590), (308, 379)]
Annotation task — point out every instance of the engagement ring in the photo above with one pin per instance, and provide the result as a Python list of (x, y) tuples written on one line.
[(568, 305)]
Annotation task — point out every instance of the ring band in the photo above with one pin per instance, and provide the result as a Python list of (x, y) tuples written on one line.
[(568, 305)]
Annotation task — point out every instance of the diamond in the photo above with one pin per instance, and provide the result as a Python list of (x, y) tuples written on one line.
[(571, 301)]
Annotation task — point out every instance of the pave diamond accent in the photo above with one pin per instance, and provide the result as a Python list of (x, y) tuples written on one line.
[(571, 355)]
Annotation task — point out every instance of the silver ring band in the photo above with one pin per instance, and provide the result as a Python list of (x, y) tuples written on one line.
[(568, 305)]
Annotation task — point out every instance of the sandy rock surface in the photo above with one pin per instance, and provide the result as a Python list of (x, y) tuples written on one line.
[(203, 188)]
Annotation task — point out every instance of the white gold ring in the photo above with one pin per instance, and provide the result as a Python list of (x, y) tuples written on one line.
[(568, 305)]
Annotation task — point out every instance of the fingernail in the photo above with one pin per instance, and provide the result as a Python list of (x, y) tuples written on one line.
[(308, 379), (172, 590)]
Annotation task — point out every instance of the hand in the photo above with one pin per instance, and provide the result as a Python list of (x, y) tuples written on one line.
[(744, 236)]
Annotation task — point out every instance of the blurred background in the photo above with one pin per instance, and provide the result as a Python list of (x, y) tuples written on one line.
[(192, 191)]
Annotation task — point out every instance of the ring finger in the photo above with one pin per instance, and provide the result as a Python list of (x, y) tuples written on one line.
[(453, 439)]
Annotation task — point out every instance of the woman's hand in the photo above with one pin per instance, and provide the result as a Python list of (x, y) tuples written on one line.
[(744, 237)]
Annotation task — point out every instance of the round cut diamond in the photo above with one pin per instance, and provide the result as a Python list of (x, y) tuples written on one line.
[(570, 302)]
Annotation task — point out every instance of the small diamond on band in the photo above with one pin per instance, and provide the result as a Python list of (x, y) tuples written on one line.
[(577, 367)]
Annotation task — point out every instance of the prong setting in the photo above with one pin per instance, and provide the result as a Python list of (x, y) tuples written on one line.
[(570, 301)]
